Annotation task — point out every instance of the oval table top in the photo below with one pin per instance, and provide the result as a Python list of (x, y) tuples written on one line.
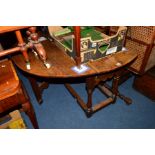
[(61, 63)]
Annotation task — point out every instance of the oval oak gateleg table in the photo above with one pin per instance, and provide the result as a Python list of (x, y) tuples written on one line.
[(110, 67)]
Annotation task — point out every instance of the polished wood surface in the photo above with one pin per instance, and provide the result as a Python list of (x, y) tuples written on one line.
[(8, 79), (77, 44), (61, 63), (12, 93), (33, 44), (4, 29), (21, 44), (112, 66)]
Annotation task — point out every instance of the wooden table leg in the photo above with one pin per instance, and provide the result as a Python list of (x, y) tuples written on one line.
[(110, 92), (90, 85), (28, 109), (36, 89), (116, 92), (22, 44), (115, 84), (27, 106)]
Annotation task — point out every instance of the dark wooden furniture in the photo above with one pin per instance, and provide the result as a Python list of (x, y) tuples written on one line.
[(21, 43), (145, 84), (141, 40), (12, 93), (99, 71), (33, 43)]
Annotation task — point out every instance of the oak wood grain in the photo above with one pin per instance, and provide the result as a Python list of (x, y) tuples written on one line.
[(62, 63), (4, 29)]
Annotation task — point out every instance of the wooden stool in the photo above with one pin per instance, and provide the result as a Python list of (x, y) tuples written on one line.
[(12, 93)]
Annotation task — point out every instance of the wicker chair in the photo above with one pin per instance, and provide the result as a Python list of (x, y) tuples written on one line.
[(141, 40)]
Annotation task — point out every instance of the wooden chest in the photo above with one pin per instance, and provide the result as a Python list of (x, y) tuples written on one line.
[(146, 84)]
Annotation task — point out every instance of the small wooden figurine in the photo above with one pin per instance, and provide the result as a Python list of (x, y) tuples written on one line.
[(36, 46)]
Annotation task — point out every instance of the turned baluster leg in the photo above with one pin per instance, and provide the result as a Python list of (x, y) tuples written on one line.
[(22, 44), (115, 85), (77, 45), (28, 109), (116, 92), (89, 88)]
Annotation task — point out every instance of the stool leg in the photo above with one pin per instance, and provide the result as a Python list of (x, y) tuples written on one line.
[(27, 107), (22, 44)]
